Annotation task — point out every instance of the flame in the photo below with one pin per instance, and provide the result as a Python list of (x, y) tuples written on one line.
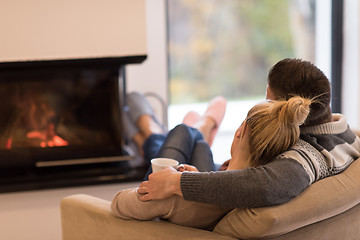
[(38, 119), (8, 143), (47, 137)]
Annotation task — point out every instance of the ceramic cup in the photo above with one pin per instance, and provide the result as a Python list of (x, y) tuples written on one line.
[(158, 164)]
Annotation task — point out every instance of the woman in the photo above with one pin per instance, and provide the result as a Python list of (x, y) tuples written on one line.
[(269, 129)]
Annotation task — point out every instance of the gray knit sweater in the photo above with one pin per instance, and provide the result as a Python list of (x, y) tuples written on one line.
[(322, 151)]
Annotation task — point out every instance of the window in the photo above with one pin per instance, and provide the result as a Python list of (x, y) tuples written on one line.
[(227, 48)]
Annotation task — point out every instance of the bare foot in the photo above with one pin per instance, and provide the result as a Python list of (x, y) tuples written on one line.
[(215, 112), (191, 118), (206, 126), (210, 122), (148, 126)]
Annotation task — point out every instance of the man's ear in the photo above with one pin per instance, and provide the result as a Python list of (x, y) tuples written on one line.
[(240, 132)]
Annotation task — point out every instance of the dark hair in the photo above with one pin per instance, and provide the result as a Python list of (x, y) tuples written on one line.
[(295, 77)]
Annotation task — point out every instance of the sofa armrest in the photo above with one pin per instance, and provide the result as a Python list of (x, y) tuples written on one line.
[(87, 217)]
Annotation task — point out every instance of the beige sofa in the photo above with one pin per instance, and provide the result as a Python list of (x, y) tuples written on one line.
[(328, 209)]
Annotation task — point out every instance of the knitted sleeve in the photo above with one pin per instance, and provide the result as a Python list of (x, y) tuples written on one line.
[(272, 184)]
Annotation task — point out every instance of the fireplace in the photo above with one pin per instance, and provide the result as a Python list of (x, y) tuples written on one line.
[(62, 85), (61, 124)]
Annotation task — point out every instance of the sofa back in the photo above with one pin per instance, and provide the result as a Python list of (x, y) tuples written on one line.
[(324, 199)]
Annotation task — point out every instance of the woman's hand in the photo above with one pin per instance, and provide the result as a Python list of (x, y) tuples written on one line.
[(161, 185), (240, 149), (225, 165), (186, 167)]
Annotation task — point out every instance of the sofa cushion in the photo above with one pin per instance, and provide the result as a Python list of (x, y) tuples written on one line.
[(323, 199)]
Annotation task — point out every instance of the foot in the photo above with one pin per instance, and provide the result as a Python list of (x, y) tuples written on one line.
[(148, 126), (210, 122), (191, 118), (206, 126)]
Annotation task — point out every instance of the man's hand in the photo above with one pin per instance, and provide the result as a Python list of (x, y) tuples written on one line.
[(161, 185)]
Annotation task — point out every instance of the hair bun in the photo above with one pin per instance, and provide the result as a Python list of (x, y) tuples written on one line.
[(275, 126), (298, 110)]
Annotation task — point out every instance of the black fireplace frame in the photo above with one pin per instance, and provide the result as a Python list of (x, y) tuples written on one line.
[(74, 172)]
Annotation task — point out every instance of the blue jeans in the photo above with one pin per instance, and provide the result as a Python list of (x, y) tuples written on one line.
[(184, 144)]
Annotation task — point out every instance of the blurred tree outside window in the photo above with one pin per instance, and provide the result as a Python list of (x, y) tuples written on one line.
[(226, 47)]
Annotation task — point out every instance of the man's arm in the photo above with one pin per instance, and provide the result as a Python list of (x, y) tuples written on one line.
[(272, 184)]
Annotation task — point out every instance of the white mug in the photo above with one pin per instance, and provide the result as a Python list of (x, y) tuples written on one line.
[(158, 164)]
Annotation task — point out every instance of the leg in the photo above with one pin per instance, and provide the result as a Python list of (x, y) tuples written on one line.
[(186, 145), (152, 146), (202, 157), (180, 143), (126, 205), (140, 121), (143, 116)]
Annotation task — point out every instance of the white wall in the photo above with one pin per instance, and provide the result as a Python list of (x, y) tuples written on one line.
[(151, 76), (67, 29)]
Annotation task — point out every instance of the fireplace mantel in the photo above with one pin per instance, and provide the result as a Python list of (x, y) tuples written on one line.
[(43, 30), (89, 62)]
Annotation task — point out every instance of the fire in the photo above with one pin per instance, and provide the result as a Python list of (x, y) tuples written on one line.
[(35, 123), (47, 137), (8, 143)]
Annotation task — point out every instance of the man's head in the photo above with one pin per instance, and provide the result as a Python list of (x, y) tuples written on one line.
[(295, 77)]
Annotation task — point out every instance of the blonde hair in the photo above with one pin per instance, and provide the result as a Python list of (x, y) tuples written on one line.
[(274, 126)]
